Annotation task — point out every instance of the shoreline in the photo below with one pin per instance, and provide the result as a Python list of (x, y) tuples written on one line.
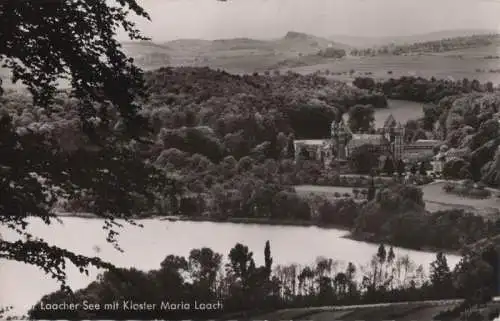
[(233, 220), (363, 237), (373, 239)]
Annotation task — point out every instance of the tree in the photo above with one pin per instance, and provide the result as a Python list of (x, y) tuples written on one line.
[(401, 167), (431, 116), (241, 263), (204, 265), (361, 118), (363, 160), (422, 170), (441, 277), (413, 169), (268, 259), (455, 168), (472, 279), (66, 39), (290, 148), (381, 253), (391, 255), (389, 166), (72, 40), (371, 191)]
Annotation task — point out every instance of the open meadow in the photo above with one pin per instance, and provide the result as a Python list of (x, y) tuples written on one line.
[(327, 192), (427, 66), (400, 312), (437, 199), (434, 196)]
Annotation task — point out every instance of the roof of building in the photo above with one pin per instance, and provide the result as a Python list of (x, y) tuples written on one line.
[(390, 121), (456, 153), (312, 142), (363, 139), (428, 141), (418, 156), (423, 144)]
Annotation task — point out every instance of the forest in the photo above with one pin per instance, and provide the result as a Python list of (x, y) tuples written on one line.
[(243, 288), (219, 147)]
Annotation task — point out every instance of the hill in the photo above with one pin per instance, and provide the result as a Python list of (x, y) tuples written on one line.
[(358, 41), (304, 53), (238, 54)]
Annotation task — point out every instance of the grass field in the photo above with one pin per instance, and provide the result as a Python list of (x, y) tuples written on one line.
[(427, 66), (434, 196), (417, 311), (451, 65), (325, 191)]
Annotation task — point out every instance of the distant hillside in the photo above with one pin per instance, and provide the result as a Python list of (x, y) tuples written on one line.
[(357, 41), (147, 53), (454, 44), (238, 54)]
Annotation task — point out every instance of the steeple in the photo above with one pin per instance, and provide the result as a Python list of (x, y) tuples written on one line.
[(399, 129), (390, 122), (340, 135)]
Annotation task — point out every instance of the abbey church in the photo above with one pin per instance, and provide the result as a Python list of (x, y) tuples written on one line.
[(387, 141)]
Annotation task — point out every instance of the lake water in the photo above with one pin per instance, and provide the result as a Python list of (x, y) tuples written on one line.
[(401, 110), (145, 248)]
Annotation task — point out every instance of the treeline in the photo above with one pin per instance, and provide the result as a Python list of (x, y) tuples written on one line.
[(443, 45), (238, 285), (421, 89), (332, 52), (262, 191)]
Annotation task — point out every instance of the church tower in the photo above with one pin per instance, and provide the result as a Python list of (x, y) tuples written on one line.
[(340, 136), (398, 143)]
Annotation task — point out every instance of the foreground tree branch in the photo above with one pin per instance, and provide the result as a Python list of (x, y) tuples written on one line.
[(42, 42)]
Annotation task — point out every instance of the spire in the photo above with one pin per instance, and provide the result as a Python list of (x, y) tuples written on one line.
[(390, 122)]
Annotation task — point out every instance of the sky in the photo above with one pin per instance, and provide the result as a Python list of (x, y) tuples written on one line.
[(264, 19)]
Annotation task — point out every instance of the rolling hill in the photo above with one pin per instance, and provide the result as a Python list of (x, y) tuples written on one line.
[(300, 52), (358, 41), (239, 54)]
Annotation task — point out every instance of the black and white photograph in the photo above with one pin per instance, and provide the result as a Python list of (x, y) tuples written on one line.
[(250, 160)]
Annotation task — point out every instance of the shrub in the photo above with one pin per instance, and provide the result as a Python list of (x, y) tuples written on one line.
[(448, 187), (466, 190), (493, 314)]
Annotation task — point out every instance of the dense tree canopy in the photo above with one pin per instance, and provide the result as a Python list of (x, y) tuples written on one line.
[(73, 40), (245, 289), (43, 42)]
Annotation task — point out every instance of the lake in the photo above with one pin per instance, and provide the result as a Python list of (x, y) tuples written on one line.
[(401, 110), (146, 247)]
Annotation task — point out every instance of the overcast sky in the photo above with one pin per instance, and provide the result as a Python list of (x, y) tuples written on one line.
[(211, 19)]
